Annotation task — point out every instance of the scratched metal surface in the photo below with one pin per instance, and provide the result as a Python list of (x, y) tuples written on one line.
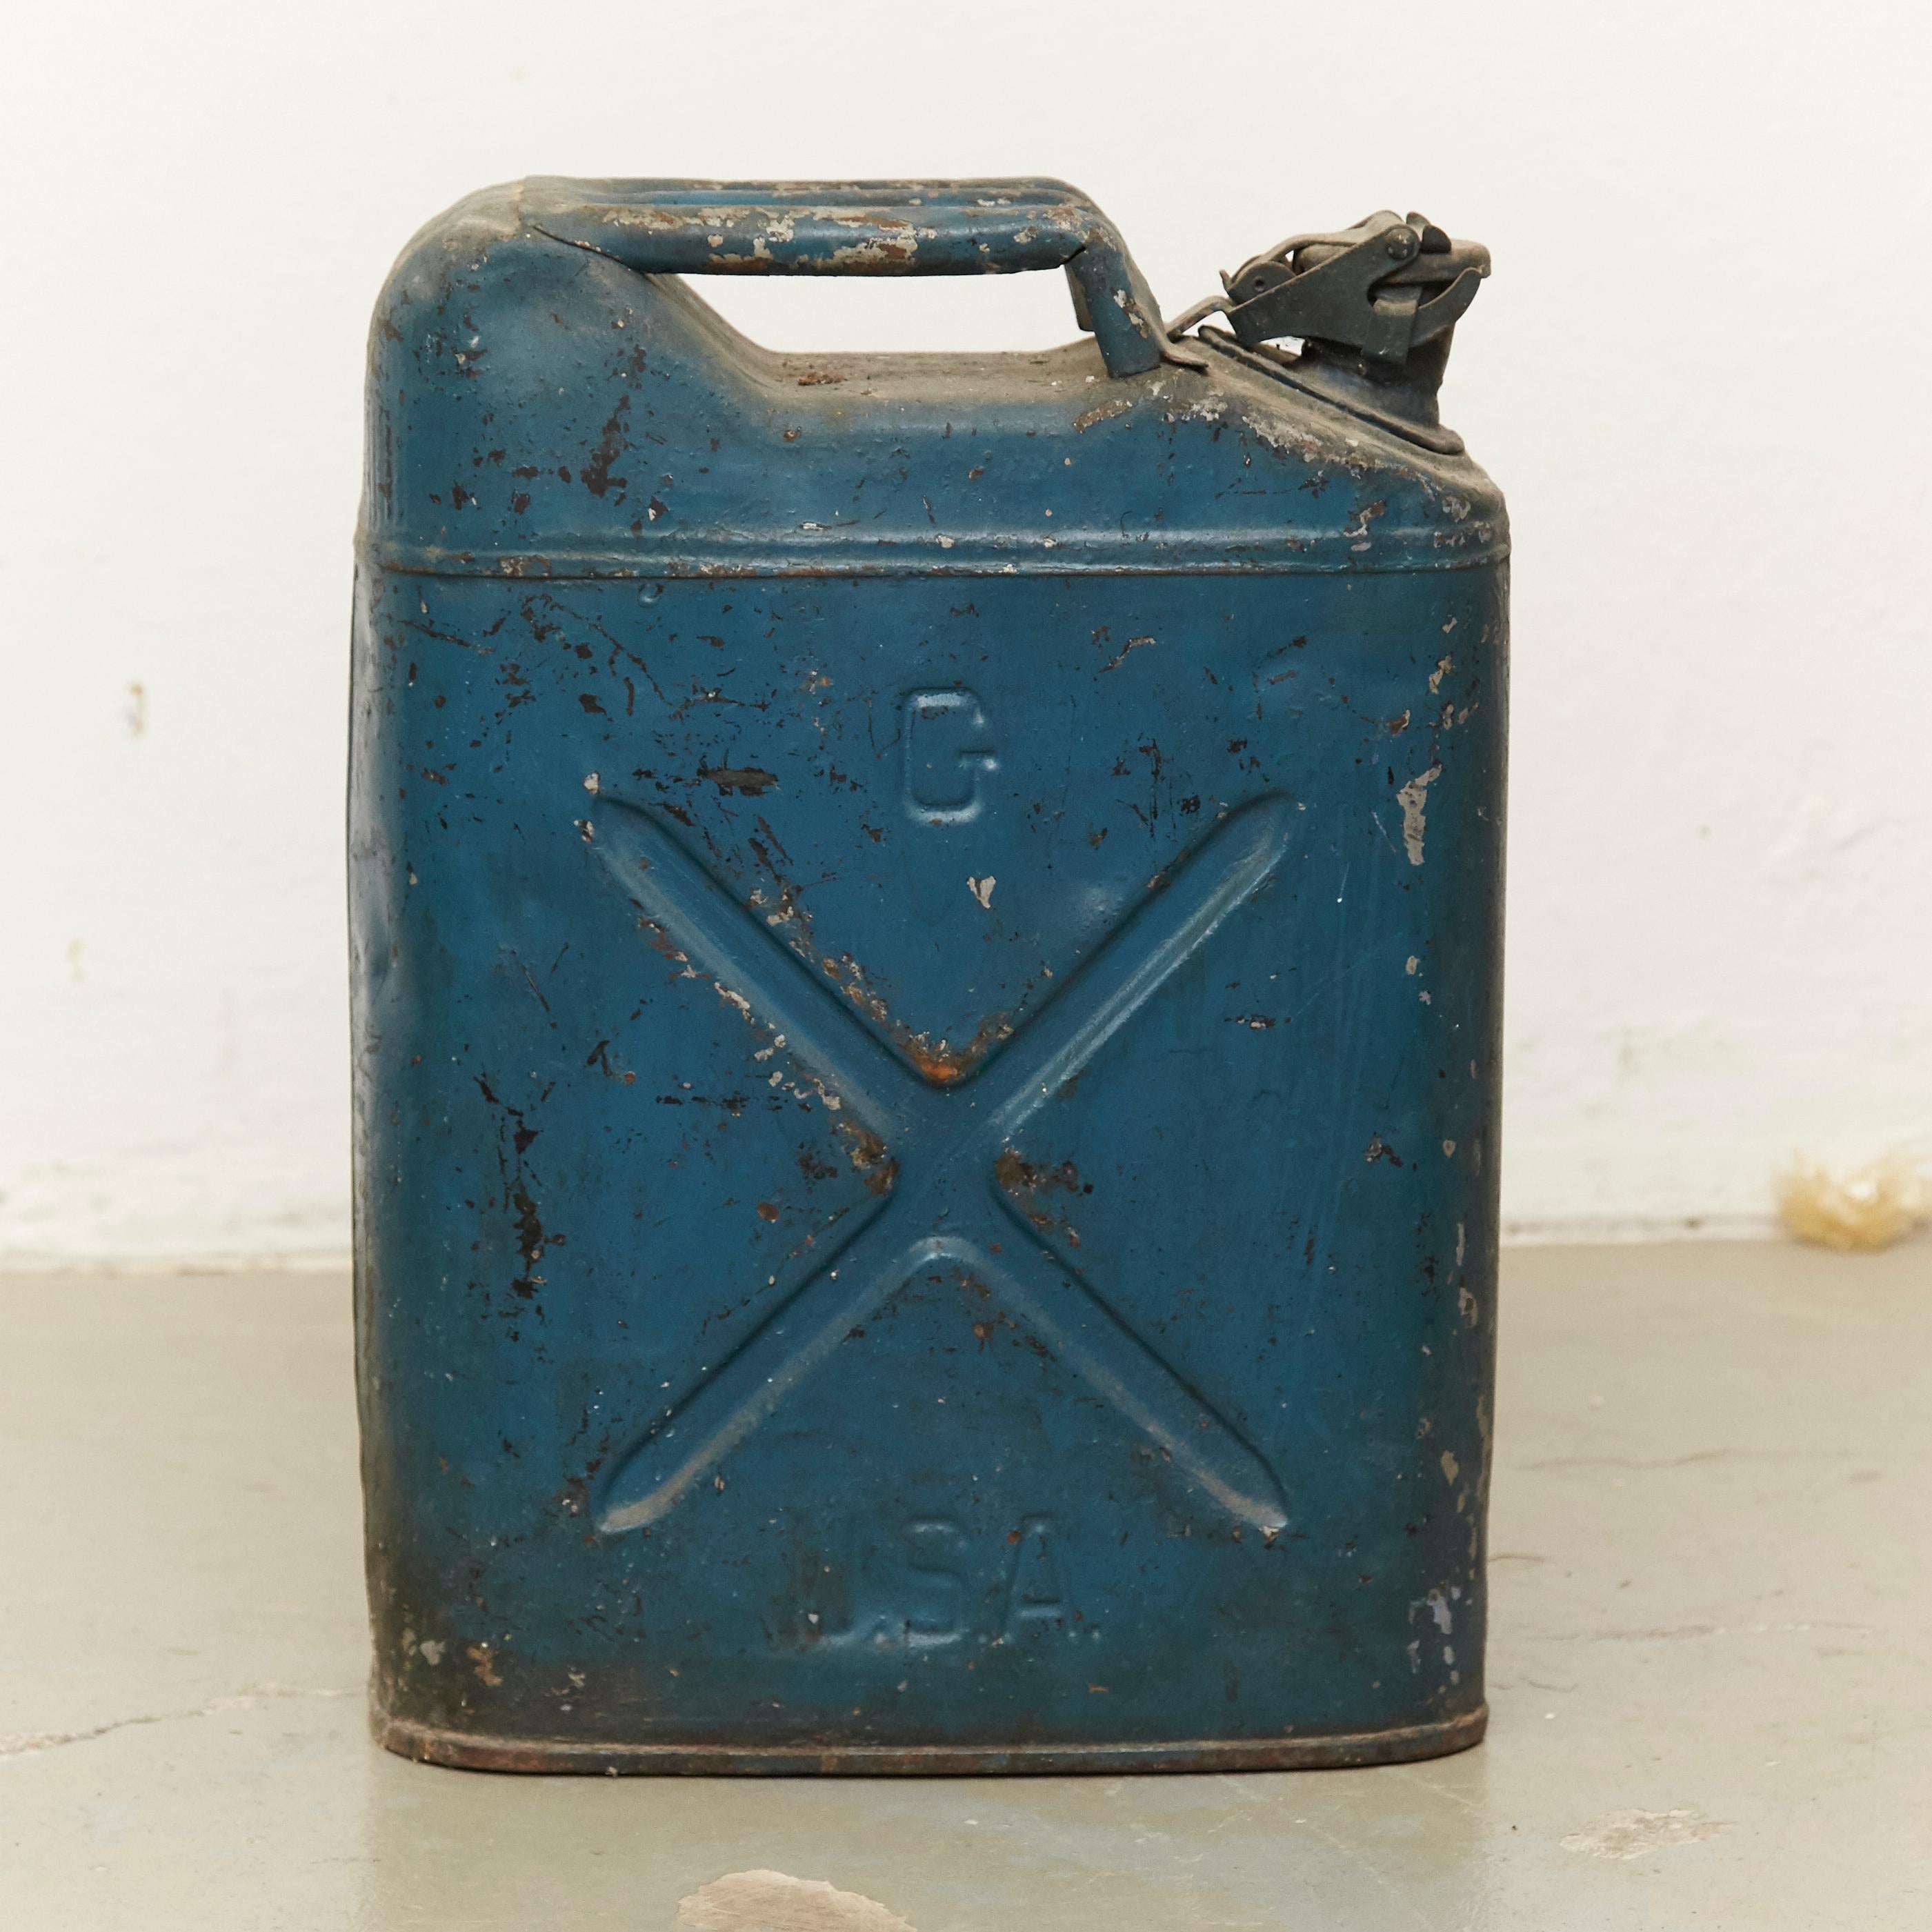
[(926, 949)]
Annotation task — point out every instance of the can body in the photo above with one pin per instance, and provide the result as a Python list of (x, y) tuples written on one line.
[(926, 1072)]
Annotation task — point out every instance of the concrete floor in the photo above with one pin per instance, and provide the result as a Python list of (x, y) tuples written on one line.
[(1711, 1674)]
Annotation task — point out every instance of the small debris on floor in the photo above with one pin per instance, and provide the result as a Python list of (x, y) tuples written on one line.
[(1868, 1208)]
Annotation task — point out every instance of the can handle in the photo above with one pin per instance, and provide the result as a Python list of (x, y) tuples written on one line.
[(869, 228)]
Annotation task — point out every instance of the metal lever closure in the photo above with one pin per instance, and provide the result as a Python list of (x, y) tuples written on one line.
[(1384, 286), (1362, 288), (1373, 308)]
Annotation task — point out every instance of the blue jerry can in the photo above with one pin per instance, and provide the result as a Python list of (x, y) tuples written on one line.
[(926, 972)]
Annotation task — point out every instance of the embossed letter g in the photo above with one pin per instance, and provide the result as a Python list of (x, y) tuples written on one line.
[(947, 746)]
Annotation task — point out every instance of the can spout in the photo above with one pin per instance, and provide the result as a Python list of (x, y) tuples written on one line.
[(1373, 309), (1384, 289)]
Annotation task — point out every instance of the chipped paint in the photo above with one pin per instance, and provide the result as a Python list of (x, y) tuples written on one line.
[(1411, 799), (1120, 657), (1117, 405)]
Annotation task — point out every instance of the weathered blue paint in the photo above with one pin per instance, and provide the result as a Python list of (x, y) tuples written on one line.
[(926, 941)]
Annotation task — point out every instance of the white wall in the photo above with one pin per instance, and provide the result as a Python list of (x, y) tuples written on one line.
[(1698, 372)]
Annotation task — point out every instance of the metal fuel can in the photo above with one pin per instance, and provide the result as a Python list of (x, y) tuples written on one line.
[(926, 958)]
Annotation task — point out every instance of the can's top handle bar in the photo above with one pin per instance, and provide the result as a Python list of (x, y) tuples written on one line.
[(869, 228)]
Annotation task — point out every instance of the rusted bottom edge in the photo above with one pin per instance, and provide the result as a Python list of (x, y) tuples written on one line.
[(470, 1750)]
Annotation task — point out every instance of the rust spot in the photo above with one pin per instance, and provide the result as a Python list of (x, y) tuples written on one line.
[(939, 1067), (867, 1153), (986, 1328), (1025, 1178), (1087, 418), (945, 1065), (768, 1210), (1019, 1175), (484, 1658)]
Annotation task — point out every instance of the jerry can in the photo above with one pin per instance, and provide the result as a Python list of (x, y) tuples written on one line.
[(926, 974)]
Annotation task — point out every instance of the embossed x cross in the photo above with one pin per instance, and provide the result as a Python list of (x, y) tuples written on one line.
[(945, 1207)]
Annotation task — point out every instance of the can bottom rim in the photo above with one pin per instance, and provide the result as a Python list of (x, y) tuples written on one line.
[(475, 1750)]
